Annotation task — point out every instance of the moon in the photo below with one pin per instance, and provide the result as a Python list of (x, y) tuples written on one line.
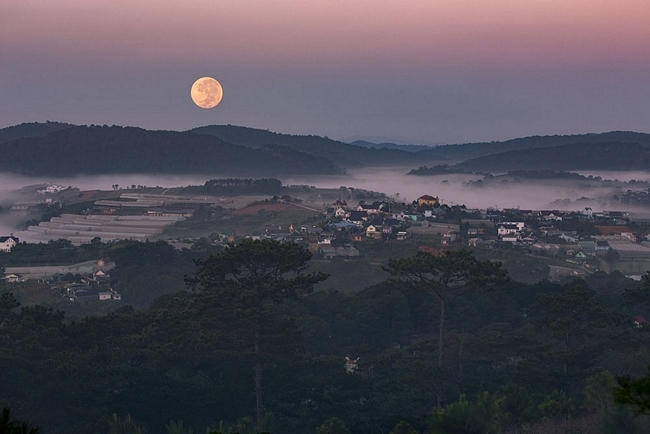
[(206, 92)]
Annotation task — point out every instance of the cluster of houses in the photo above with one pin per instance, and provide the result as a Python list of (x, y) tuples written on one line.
[(377, 220), (92, 282), (92, 288), (95, 283)]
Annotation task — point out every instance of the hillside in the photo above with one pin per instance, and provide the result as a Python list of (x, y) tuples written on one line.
[(32, 129), (407, 148), (342, 154), (468, 151), (58, 149), (95, 149), (575, 156)]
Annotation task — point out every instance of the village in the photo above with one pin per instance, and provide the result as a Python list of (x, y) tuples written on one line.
[(573, 243)]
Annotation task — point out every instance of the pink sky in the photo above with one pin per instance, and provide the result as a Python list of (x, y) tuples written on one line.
[(426, 71)]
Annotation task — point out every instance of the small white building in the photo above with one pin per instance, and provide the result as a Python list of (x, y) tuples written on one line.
[(6, 243)]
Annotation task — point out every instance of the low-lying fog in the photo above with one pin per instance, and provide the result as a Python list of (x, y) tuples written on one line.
[(474, 191)]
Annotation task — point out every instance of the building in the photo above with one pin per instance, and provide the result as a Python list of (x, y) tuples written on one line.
[(6, 243), (427, 200)]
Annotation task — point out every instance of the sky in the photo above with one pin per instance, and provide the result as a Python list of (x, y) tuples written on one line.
[(415, 71)]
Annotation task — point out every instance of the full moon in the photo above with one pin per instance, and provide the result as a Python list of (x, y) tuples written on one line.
[(206, 92)]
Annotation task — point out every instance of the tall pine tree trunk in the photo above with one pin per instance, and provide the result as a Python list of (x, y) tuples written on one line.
[(441, 343), (259, 402)]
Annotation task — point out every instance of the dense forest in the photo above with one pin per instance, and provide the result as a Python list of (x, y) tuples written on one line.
[(468, 151), (103, 149), (59, 149), (574, 156), (237, 340)]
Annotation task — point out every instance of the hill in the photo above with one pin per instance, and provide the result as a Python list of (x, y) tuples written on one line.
[(407, 148), (342, 154), (468, 151), (33, 129), (95, 149), (574, 156)]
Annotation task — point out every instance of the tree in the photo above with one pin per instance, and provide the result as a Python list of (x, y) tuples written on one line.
[(640, 295), (634, 393), (245, 280), (10, 425), (444, 278), (174, 427), (7, 304), (333, 426), (575, 322), (403, 427), (3, 277), (125, 425)]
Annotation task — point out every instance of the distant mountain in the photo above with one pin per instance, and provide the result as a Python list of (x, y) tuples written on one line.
[(58, 149), (407, 148), (340, 153), (95, 149), (569, 157), (473, 150), (33, 129)]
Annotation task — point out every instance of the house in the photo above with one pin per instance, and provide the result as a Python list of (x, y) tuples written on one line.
[(6, 243), (448, 239), (392, 222), (427, 200), (371, 231), (587, 246), (472, 231), (13, 278), (551, 215), (507, 229), (640, 322), (371, 209), (602, 246), (105, 263), (402, 235), (340, 204), (311, 230), (358, 216), (629, 235), (509, 238), (328, 252), (345, 225), (340, 212), (580, 258), (569, 238)]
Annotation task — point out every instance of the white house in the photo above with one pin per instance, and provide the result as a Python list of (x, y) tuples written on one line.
[(6, 243), (508, 229)]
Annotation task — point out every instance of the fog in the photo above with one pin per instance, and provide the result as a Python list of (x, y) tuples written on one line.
[(474, 191), (498, 192)]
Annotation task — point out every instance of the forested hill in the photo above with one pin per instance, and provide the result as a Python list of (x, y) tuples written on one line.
[(32, 129), (59, 149), (408, 148), (95, 149), (575, 156), (340, 153), (468, 151)]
